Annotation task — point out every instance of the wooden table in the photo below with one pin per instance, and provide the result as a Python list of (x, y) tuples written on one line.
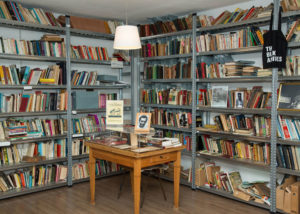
[(136, 161)]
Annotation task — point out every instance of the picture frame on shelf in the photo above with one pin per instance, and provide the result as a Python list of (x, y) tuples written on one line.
[(239, 99), (289, 97), (142, 122), (219, 96)]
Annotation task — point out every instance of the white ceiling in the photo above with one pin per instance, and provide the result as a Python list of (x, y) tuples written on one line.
[(138, 10)]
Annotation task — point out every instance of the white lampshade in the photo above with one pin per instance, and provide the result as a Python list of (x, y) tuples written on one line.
[(127, 38)]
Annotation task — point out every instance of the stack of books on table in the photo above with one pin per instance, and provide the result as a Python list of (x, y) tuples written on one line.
[(164, 142)]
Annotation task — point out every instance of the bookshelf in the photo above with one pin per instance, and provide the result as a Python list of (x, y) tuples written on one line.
[(196, 110), (69, 114)]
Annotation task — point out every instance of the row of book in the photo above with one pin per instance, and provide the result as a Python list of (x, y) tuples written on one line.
[(15, 129), (81, 170), (32, 48), (210, 175), (259, 152), (237, 98), (161, 27), (15, 11), (184, 139), (33, 176), (228, 69), (90, 123), (51, 49), (292, 66), (288, 157), (83, 78), (241, 124), (51, 173), (166, 96), (181, 45), (24, 75), (226, 17), (251, 36), (104, 97), (237, 15), (89, 53), (288, 128), (34, 102), (171, 118), (179, 70)]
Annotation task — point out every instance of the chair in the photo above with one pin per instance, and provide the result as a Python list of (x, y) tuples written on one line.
[(150, 171)]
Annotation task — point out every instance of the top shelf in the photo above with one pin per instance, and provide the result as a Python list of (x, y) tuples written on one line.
[(221, 27), (53, 29)]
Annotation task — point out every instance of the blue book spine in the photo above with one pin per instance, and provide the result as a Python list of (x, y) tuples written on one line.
[(15, 11), (26, 75), (19, 12)]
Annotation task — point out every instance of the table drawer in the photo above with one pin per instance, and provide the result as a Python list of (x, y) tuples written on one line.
[(158, 159)]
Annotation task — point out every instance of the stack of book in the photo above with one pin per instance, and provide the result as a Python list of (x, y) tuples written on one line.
[(288, 157), (163, 142), (83, 78), (34, 102), (180, 70), (259, 152), (166, 96), (183, 138), (161, 27), (15, 11), (288, 128), (89, 53), (251, 36), (104, 97), (169, 118), (182, 45), (32, 48), (14, 129), (265, 72), (88, 124), (33, 176)]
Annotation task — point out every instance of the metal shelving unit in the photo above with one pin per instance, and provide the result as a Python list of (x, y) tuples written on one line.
[(199, 110), (68, 32)]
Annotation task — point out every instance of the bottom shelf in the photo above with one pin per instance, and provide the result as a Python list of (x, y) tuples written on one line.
[(23, 191), (98, 177), (231, 196)]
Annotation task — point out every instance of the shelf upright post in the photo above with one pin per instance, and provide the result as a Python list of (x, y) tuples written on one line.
[(194, 99), (274, 120), (133, 86), (69, 110), (120, 79)]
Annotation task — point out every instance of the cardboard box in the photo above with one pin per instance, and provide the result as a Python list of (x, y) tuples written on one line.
[(89, 24), (287, 202), (279, 197), (295, 198), (283, 198)]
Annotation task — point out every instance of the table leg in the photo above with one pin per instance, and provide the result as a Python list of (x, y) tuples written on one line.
[(137, 185), (92, 162), (131, 180), (177, 179)]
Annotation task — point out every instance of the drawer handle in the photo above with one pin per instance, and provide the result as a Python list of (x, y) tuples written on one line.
[(161, 157)]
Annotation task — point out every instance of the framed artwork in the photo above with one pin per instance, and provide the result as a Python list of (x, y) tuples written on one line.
[(289, 97), (142, 122), (219, 96), (114, 112), (239, 99)]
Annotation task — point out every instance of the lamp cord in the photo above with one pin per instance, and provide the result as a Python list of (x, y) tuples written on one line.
[(126, 8)]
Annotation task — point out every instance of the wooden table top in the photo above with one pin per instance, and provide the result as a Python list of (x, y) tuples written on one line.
[(129, 153)]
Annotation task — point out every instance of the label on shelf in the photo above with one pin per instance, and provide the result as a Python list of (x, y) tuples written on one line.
[(74, 112), (4, 143), (77, 135), (28, 87), (116, 64)]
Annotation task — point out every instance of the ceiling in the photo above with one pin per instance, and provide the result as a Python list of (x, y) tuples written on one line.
[(138, 10)]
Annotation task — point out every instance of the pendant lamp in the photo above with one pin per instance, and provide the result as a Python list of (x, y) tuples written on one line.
[(127, 36)]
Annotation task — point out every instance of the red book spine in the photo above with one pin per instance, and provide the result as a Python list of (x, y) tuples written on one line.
[(203, 69), (22, 179)]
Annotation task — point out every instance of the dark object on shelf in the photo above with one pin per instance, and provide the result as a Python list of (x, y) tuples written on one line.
[(107, 78), (275, 46), (34, 159)]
